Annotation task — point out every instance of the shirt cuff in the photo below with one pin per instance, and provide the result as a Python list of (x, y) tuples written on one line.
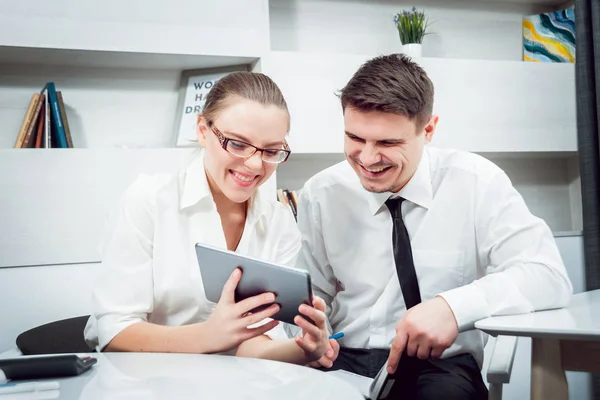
[(107, 327), (468, 304)]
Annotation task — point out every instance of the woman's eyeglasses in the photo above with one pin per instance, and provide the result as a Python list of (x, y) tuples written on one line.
[(242, 149)]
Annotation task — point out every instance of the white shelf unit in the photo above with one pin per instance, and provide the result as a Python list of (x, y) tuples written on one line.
[(119, 64), (520, 115), (503, 110), (196, 27), (464, 29), (54, 204), (484, 105), (107, 107)]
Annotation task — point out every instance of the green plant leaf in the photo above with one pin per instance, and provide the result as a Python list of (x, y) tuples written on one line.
[(412, 25)]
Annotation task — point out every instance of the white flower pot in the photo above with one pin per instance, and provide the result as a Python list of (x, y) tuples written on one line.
[(412, 49)]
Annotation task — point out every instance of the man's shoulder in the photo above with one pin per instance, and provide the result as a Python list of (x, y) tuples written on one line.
[(444, 161)]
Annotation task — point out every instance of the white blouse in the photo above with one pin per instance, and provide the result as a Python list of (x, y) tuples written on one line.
[(150, 271)]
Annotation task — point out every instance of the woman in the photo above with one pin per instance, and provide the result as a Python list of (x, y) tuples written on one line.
[(149, 294)]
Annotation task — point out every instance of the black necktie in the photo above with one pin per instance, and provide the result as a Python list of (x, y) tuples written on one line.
[(408, 367), (403, 255)]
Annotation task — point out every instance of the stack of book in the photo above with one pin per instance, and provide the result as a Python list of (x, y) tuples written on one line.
[(290, 199), (45, 124)]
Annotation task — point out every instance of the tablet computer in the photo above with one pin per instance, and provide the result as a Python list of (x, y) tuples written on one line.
[(291, 286)]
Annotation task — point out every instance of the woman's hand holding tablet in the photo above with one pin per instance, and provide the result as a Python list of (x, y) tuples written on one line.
[(249, 290), (229, 323), (291, 286)]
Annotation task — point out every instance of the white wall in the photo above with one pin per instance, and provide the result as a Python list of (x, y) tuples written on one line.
[(300, 167), (32, 296), (460, 29), (545, 185), (176, 26), (55, 202)]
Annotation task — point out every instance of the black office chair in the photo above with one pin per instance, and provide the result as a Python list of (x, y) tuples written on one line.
[(64, 336)]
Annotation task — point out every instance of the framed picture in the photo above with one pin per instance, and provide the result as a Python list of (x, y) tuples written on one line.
[(550, 37), (193, 89)]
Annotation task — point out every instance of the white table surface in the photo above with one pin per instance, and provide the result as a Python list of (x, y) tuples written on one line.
[(580, 320), (196, 376)]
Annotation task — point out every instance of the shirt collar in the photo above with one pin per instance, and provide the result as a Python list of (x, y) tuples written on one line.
[(417, 190), (193, 183), (257, 210), (195, 189)]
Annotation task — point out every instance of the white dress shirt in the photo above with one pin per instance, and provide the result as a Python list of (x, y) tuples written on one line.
[(473, 239), (150, 271)]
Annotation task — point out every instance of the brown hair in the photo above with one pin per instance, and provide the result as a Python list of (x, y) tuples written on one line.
[(391, 84), (248, 85)]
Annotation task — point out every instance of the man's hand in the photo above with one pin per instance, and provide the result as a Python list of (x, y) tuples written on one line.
[(329, 357), (425, 331), (314, 340)]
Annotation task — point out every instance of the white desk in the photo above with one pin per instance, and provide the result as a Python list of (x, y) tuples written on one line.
[(566, 339), (151, 376)]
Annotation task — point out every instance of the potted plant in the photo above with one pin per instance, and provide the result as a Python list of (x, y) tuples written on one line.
[(412, 27)]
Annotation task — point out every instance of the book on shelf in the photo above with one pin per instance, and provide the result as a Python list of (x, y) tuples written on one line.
[(47, 129), (27, 120), (193, 89), (63, 116), (30, 139), (290, 199), (45, 124), (41, 124)]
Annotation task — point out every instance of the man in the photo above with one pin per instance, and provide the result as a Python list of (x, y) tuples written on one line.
[(411, 245)]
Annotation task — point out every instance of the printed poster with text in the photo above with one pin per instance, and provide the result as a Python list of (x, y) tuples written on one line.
[(196, 91)]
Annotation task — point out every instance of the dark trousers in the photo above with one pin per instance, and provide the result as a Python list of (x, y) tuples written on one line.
[(453, 378)]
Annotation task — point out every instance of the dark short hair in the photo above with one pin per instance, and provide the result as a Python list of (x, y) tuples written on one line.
[(391, 84)]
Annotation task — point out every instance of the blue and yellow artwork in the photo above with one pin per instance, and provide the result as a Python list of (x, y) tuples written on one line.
[(550, 37)]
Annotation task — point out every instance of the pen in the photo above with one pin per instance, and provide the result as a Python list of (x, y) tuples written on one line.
[(6, 388), (338, 335)]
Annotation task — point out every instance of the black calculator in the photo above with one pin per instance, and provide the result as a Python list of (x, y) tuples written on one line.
[(56, 366)]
